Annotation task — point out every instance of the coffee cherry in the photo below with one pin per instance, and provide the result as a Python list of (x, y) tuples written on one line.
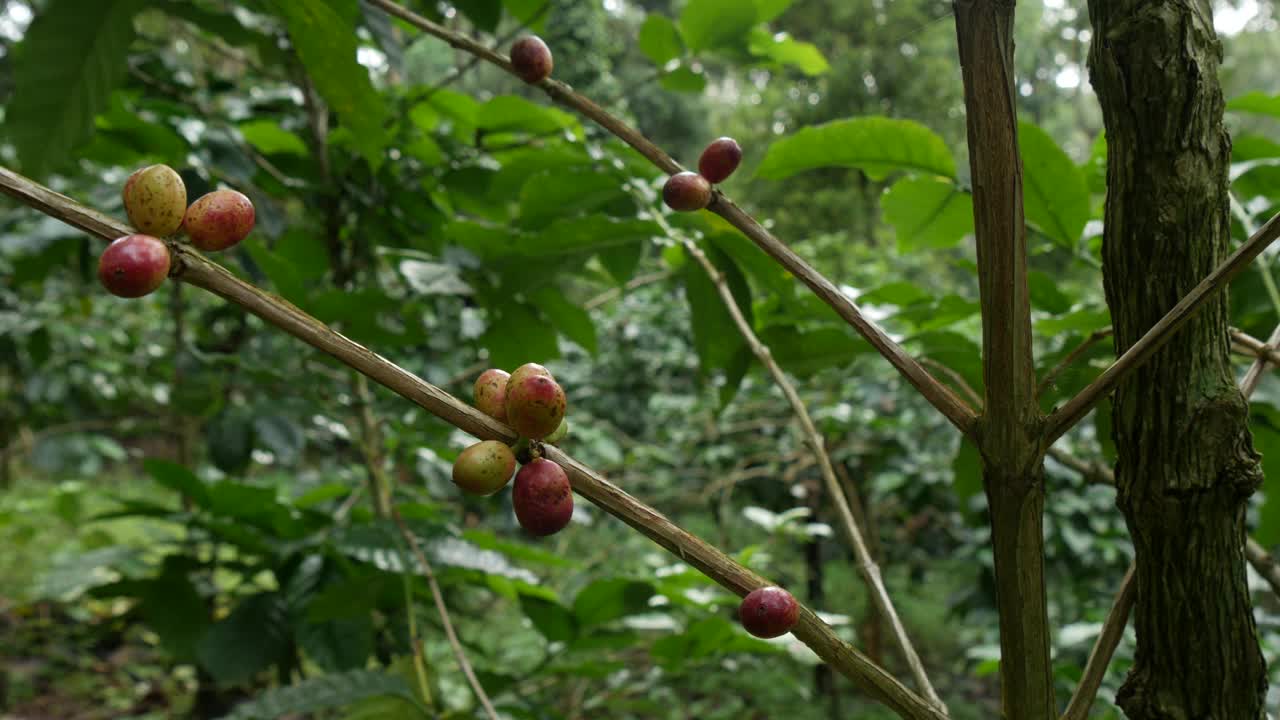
[(133, 266), (768, 612), (155, 199), (526, 370), (491, 393), (219, 220), (542, 497), (535, 406), (484, 468), (686, 192), (559, 434), (720, 159), (531, 59)]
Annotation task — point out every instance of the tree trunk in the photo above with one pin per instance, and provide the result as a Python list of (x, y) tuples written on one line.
[(1186, 461)]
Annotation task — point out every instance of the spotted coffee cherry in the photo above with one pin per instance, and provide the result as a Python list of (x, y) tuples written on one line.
[(531, 59), (720, 159), (133, 266), (769, 612)]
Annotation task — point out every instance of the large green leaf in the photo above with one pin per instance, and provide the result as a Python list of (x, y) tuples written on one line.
[(517, 335), (509, 112), (174, 610), (805, 352), (716, 337), (532, 13), (610, 599), (1265, 427), (927, 213), (251, 639), (1256, 102), (554, 194), (707, 24), (327, 43), (556, 622), (567, 318), (71, 59), (333, 690), (786, 51), (659, 39), (1055, 191), (876, 145), (177, 477)]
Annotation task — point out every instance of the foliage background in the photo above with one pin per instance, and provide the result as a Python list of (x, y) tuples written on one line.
[(450, 218)]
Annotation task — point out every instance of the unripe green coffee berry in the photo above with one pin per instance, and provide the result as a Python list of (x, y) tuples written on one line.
[(559, 434), (155, 199), (491, 393), (484, 468)]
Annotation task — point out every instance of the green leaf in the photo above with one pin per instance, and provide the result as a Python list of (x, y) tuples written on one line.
[(553, 620), (281, 436), (484, 13), (174, 609), (1055, 191), (784, 50), (178, 478), (327, 44), (683, 79), (1045, 294), (966, 471), (659, 39), (568, 319), (554, 194), (927, 213), (250, 640), (332, 690), (532, 13), (1265, 426), (230, 440), (1256, 102), (517, 335), (610, 599), (71, 59), (901, 293), (767, 10), (336, 645), (876, 145), (509, 112), (716, 337), (271, 139), (805, 352), (709, 24)]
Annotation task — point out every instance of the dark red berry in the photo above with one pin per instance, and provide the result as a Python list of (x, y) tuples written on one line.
[(133, 266), (542, 497), (686, 192), (768, 612), (720, 159), (531, 59)]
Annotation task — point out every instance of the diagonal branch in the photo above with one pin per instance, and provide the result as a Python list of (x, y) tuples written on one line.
[(939, 395), (1074, 411), (194, 269), (1105, 646), (867, 566)]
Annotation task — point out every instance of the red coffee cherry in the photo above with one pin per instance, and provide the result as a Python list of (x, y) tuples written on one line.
[(769, 612), (531, 59), (686, 192), (720, 159), (542, 497), (133, 266), (491, 393), (219, 220)]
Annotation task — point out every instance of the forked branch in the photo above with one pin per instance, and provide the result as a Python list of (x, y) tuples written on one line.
[(867, 566), (193, 268), (939, 395), (1074, 411)]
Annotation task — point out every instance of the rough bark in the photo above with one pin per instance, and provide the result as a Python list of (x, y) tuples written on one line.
[(1186, 460)]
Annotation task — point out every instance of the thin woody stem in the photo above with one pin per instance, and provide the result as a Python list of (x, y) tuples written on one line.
[(939, 395), (194, 269), (1074, 411), (867, 566)]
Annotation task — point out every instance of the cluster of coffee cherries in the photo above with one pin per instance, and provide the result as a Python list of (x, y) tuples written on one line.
[(155, 199), (534, 404), (690, 191)]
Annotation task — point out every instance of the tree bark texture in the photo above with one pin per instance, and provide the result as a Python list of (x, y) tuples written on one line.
[(1186, 462)]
